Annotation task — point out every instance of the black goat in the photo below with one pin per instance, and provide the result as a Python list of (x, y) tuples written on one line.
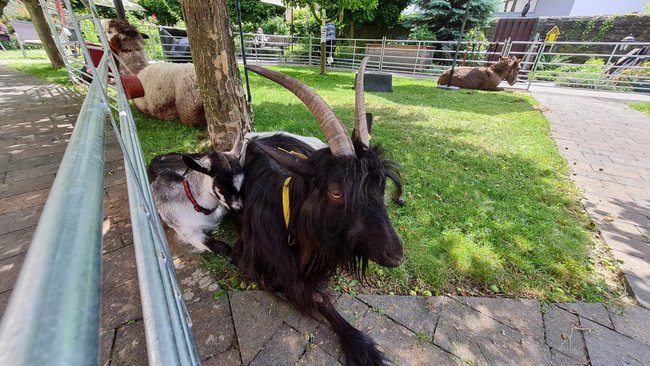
[(194, 192), (307, 212)]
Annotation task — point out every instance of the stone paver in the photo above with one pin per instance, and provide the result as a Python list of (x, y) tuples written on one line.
[(606, 145), (253, 327), (607, 347)]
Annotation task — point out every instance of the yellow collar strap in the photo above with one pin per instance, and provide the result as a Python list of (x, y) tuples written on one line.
[(294, 153), (285, 201)]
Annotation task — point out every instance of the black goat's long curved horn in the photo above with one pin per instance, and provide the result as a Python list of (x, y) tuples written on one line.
[(332, 127), (360, 132)]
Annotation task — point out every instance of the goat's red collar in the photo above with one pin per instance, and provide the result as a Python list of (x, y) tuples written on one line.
[(197, 207)]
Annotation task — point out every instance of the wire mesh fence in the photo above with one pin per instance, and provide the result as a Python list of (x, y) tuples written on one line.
[(616, 66)]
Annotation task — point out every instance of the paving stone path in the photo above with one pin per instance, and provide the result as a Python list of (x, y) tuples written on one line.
[(607, 146), (254, 328)]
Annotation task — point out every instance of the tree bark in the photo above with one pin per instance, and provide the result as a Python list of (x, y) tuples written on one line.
[(3, 4), (213, 51), (43, 31)]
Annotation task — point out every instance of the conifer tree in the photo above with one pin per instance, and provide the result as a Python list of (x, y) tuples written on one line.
[(444, 17)]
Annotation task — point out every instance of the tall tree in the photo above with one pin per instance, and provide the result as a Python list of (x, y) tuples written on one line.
[(385, 16), (335, 9), (213, 52), (253, 11), (43, 31), (3, 4), (445, 17)]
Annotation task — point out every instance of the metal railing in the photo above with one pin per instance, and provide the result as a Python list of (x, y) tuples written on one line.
[(53, 314), (590, 65), (54, 311)]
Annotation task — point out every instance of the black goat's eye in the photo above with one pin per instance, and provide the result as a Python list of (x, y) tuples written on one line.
[(335, 195)]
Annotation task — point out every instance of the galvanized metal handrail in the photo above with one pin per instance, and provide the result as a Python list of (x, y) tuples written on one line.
[(54, 311), (168, 328)]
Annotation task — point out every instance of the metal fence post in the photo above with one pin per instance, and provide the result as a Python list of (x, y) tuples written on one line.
[(354, 52), (381, 56), (612, 55), (417, 58), (506, 47), (538, 59), (310, 47)]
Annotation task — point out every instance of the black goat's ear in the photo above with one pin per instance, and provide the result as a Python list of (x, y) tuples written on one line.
[(195, 165), (292, 162)]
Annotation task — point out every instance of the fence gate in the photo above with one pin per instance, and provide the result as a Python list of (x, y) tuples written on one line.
[(515, 29)]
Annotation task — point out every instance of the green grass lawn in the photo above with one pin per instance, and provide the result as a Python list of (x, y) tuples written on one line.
[(641, 107), (43, 70), (32, 54), (490, 208)]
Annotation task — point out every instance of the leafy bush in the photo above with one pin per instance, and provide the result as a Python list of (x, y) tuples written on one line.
[(422, 33), (275, 25), (590, 75), (304, 24), (638, 78)]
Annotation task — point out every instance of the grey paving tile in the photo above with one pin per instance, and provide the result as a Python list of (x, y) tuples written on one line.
[(213, 328), (560, 359), (24, 200), (630, 263), (130, 347), (107, 337), (595, 312), (522, 315), (120, 303), (402, 346), (633, 322), (228, 358), (315, 356), (119, 266), (419, 314), (27, 186), (256, 321), (16, 242), (284, 348), (563, 333), (607, 347), (4, 300), (21, 219), (479, 339), (20, 175), (9, 270), (32, 163), (640, 288)]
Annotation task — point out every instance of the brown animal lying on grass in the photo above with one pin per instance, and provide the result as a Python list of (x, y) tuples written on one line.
[(483, 78)]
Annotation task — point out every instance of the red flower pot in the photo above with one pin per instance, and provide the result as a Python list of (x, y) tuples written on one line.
[(132, 86)]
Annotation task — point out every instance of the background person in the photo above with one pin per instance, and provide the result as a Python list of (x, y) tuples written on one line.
[(260, 39), (330, 36)]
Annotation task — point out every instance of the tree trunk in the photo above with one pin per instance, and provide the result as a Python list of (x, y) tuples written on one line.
[(213, 51), (3, 3), (44, 34)]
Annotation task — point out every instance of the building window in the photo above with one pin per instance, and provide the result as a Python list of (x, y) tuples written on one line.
[(510, 6)]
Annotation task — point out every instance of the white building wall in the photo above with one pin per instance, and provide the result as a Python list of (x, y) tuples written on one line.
[(540, 8), (606, 7), (550, 8)]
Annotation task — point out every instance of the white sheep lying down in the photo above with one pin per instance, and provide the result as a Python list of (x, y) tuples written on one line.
[(171, 91)]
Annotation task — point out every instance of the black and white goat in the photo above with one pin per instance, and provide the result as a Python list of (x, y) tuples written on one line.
[(307, 212), (194, 192)]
